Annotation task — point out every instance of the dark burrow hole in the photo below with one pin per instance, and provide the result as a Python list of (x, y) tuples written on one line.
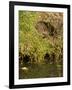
[(26, 59), (50, 58), (47, 58)]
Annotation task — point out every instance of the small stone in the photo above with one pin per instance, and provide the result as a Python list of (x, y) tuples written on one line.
[(24, 68)]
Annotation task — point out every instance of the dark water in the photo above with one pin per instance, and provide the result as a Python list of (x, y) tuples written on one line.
[(44, 70)]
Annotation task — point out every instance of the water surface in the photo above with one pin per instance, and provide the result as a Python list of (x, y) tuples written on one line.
[(44, 70)]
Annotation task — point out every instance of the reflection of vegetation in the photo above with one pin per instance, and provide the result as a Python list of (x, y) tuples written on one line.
[(40, 37)]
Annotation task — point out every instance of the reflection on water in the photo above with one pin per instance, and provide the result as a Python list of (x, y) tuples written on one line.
[(44, 70)]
